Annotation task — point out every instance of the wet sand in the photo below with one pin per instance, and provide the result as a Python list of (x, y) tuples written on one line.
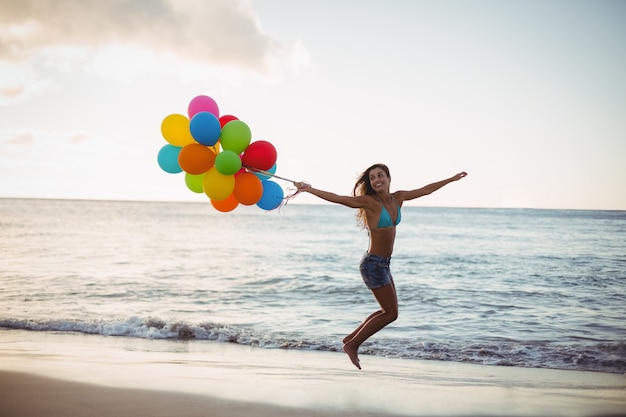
[(58, 374)]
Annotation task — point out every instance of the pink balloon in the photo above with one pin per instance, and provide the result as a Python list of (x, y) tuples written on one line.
[(202, 103)]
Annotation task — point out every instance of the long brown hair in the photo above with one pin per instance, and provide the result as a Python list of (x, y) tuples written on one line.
[(364, 187)]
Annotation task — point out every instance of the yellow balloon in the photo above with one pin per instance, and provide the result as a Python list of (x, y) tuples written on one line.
[(218, 186), (175, 130)]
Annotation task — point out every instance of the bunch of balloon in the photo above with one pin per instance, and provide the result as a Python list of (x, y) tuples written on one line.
[(219, 157)]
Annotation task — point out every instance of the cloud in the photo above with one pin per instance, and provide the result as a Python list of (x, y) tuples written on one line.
[(12, 139), (19, 81), (25, 139), (217, 31), (11, 91), (104, 36)]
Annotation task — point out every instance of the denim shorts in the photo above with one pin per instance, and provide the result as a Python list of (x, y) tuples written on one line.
[(375, 271)]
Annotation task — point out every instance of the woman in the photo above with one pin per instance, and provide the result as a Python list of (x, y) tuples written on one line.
[(378, 211)]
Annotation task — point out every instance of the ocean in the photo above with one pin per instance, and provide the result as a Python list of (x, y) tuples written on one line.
[(509, 287)]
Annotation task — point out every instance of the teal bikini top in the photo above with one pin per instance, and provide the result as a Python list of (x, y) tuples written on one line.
[(385, 218)]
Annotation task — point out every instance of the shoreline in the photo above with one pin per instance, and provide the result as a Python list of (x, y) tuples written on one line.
[(126, 375)]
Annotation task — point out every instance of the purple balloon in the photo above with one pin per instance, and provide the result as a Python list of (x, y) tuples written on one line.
[(202, 103)]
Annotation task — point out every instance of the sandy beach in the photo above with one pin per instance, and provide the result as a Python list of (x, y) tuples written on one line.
[(60, 374)]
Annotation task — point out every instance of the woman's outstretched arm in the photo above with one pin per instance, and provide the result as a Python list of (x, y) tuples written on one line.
[(428, 189), (346, 200)]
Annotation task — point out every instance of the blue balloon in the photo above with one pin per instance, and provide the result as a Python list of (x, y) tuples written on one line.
[(272, 195), (168, 159), (205, 128)]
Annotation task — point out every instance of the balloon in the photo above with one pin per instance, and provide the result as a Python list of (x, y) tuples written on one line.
[(194, 182), (196, 159), (226, 118), (229, 204), (248, 189), (236, 136), (264, 177), (218, 157), (205, 128), (272, 196), (260, 154), (175, 130), (168, 159), (218, 186), (202, 103), (228, 162)]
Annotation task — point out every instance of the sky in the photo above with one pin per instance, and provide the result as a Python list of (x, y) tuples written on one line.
[(528, 97)]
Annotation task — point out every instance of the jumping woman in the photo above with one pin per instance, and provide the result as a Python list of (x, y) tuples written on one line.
[(379, 211)]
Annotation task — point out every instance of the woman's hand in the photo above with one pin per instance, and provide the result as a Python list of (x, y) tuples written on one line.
[(459, 176), (301, 186)]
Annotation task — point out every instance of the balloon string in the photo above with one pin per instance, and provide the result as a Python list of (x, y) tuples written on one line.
[(260, 171), (293, 191)]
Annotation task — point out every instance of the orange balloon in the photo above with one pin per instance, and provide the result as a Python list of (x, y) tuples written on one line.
[(248, 188), (196, 159), (227, 205)]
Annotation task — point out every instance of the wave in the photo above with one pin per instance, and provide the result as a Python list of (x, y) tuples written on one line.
[(607, 357)]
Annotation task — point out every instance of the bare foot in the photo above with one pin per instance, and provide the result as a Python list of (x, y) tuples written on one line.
[(353, 354), (347, 338)]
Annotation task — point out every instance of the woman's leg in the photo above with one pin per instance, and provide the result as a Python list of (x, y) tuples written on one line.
[(386, 297), (371, 316), (358, 329)]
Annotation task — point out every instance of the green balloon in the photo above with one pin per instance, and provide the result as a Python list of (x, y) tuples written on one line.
[(235, 136), (194, 182), (228, 162)]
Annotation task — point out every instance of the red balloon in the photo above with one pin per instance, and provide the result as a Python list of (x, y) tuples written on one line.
[(227, 118), (260, 155)]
